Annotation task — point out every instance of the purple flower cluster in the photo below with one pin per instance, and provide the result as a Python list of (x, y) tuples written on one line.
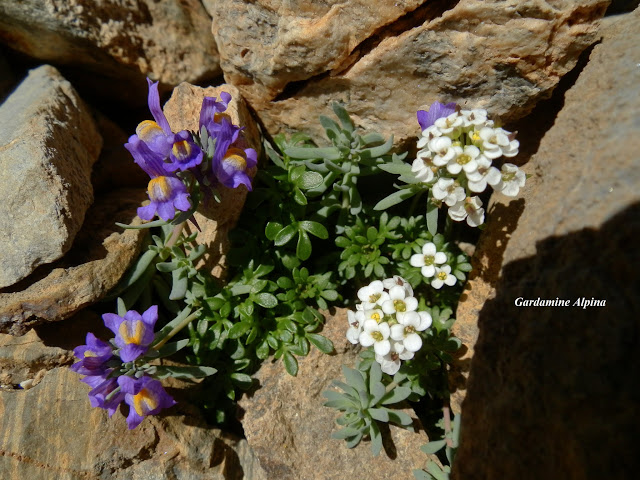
[(175, 161), (99, 361)]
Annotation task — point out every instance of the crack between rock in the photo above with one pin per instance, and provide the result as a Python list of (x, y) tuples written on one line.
[(425, 13)]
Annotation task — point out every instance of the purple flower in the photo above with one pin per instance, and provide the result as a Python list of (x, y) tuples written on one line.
[(230, 163), (93, 356), (179, 148), (211, 112), (436, 110), (145, 396), (106, 394), (134, 332), (166, 191)]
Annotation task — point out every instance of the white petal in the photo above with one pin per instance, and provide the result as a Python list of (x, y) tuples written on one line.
[(435, 283), (429, 249), (353, 335), (440, 257), (366, 340), (450, 280), (370, 326), (413, 342), (417, 260), (428, 271), (411, 303), (397, 293), (411, 319), (397, 332), (388, 307), (382, 348), (425, 321), (384, 329)]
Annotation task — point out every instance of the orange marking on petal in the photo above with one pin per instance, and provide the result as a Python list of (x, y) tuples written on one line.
[(130, 336), (89, 353), (148, 129), (144, 401), (159, 189), (181, 149), (237, 158)]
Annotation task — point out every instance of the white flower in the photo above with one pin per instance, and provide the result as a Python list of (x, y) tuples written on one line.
[(448, 190), (497, 142), (389, 363), (399, 302), (397, 280), (355, 326), (376, 334), (372, 295), (405, 331), (374, 314), (423, 168), (475, 117), (428, 259), (465, 159), (450, 125), (485, 174), (469, 208), (443, 277), (427, 135), (425, 320), (443, 151), (511, 181)]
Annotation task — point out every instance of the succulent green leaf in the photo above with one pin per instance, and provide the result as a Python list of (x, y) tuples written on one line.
[(322, 343), (286, 234), (329, 153), (395, 198), (272, 229), (303, 249), (266, 300), (290, 364), (314, 228), (163, 371)]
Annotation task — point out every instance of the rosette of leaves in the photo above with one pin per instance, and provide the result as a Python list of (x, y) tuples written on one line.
[(363, 248), (349, 157), (301, 288), (364, 400)]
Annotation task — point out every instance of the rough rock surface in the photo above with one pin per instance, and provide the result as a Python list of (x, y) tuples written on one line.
[(217, 219), (502, 56), (289, 429), (51, 431), (101, 254), (550, 391), (121, 40), (48, 143)]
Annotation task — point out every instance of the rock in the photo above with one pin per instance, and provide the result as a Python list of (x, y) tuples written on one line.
[(217, 219), (502, 56), (119, 41), (48, 143), (102, 253), (289, 429), (24, 358), (7, 77), (51, 430), (549, 391)]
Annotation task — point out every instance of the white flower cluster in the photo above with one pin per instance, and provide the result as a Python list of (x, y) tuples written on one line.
[(387, 319), (431, 263), (456, 154)]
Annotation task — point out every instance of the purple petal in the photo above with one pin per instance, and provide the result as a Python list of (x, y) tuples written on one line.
[(151, 162), (112, 322), (154, 107), (131, 351), (436, 110), (210, 107)]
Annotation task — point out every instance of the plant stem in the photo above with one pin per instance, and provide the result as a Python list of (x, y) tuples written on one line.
[(391, 386), (176, 329), (175, 235), (446, 410)]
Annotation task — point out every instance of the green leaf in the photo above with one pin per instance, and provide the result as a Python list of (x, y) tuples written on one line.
[(345, 433), (379, 414), (321, 343), (171, 348), (309, 180), (239, 329), (375, 375), (376, 439), (290, 364), (395, 198), (286, 234), (396, 395), (272, 229), (396, 168), (180, 284), (343, 116), (242, 380), (330, 153), (378, 151), (399, 418), (262, 351), (183, 372), (314, 228), (354, 378), (433, 447), (156, 223), (266, 300), (299, 197), (303, 249), (421, 475)]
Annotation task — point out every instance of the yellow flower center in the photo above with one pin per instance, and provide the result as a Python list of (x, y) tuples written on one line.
[(376, 317), (377, 336), (429, 259), (132, 333), (374, 298), (159, 189), (442, 276), (463, 159), (144, 401), (508, 177), (400, 306)]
